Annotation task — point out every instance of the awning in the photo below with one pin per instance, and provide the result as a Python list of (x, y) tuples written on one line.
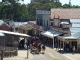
[(14, 33), (67, 37), (51, 33)]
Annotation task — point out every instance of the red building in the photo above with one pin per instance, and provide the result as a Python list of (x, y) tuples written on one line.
[(4, 26)]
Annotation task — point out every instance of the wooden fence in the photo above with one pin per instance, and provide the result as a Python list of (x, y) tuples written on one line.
[(8, 52)]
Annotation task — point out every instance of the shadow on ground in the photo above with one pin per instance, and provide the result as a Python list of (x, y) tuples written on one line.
[(66, 52)]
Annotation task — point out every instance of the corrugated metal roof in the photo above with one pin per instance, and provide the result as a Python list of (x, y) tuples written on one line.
[(75, 34), (51, 33), (73, 13), (75, 22), (75, 29)]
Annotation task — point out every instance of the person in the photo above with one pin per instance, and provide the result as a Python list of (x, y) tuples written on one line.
[(56, 45), (28, 44), (21, 44), (74, 49)]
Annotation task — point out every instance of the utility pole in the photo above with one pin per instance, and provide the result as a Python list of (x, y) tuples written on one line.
[(53, 40)]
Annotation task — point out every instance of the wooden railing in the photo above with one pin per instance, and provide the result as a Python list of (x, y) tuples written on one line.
[(66, 25), (8, 52), (58, 29)]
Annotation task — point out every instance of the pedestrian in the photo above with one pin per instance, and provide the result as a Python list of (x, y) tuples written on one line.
[(28, 44), (74, 49)]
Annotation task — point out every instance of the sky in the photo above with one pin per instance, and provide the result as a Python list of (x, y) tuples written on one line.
[(73, 2)]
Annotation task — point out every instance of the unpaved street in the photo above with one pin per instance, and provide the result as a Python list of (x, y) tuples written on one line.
[(50, 54)]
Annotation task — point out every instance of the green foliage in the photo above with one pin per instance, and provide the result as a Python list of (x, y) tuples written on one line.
[(32, 7), (13, 11), (67, 6), (16, 10)]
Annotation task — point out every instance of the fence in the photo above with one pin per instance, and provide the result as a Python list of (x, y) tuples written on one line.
[(8, 52)]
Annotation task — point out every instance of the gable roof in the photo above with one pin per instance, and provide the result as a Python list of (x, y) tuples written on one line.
[(2, 22), (73, 13)]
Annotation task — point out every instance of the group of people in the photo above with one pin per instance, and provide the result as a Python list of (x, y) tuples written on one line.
[(69, 48)]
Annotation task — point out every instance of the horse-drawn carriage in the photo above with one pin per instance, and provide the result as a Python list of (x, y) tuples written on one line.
[(35, 45)]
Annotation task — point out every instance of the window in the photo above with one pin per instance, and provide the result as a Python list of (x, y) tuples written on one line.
[(37, 22), (44, 22), (40, 22), (47, 23)]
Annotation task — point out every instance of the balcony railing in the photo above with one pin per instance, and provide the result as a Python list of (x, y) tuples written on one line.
[(58, 29)]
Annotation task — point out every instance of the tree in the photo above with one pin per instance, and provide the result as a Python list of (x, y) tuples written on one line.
[(67, 6), (13, 11), (32, 7)]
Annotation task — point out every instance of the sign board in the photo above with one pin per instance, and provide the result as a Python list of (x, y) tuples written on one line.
[(42, 12)]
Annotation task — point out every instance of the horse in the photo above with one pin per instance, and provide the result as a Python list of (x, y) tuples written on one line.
[(39, 48), (43, 48)]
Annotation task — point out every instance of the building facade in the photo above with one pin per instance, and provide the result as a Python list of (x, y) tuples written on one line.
[(43, 18), (60, 25), (65, 21)]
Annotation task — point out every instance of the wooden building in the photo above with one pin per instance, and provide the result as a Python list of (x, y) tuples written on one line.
[(2, 39), (11, 39), (4, 26)]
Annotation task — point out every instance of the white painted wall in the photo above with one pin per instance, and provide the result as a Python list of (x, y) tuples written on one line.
[(47, 19)]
